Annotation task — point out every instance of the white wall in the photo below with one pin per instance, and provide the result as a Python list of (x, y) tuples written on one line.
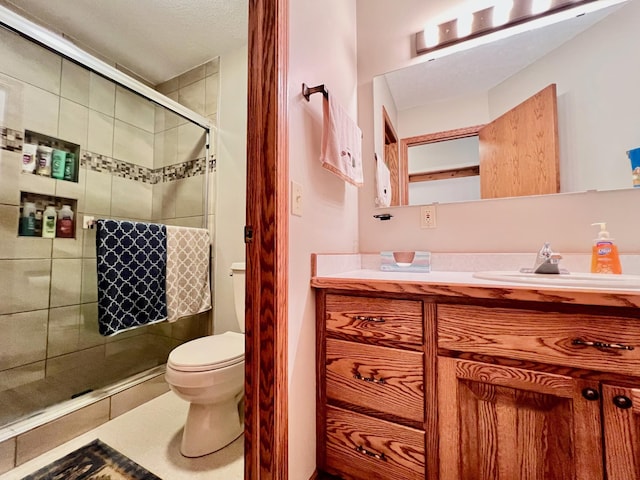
[(506, 225), (231, 183), (322, 47)]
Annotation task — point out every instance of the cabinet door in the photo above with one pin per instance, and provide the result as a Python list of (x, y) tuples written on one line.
[(504, 423), (622, 432)]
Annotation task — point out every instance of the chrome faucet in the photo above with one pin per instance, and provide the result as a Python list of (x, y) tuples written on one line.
[(547, 262)]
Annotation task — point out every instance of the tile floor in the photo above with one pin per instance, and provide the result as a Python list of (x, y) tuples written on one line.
[(150, 435)]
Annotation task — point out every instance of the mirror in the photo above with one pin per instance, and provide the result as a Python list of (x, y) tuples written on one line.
[(591, 60)]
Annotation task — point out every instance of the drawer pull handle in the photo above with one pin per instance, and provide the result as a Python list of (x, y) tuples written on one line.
[(379, 456), (623, 402), (364, 318), (617, 346), (591, 394), (380, 381)]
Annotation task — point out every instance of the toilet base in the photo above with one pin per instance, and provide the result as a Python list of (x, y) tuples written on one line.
[(211, 427)]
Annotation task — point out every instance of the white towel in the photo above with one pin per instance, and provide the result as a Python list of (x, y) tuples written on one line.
[(383, 184), (188, 288), (341, 143)]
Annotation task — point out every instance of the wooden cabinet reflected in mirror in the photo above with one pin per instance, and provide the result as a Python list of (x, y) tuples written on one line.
[(517, 154)]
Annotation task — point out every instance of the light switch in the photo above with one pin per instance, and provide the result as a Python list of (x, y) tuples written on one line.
[(296, 199)]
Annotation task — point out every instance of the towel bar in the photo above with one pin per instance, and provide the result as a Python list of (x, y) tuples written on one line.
[(307, 92)]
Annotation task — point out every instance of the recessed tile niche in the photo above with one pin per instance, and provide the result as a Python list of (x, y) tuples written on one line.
[(39, 203), (50, 157)]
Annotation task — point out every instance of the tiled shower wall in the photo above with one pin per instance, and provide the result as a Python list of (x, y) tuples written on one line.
[(138, 162)]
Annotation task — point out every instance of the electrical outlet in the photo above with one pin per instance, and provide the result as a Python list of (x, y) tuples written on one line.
[(296, 199), (428, 216)]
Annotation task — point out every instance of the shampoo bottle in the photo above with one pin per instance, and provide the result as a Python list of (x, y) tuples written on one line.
[(49, 217), (604, 256)]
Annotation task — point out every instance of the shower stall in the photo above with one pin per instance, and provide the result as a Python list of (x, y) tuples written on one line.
[(135, 155)]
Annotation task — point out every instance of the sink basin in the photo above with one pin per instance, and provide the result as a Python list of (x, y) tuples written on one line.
[(584, 280)]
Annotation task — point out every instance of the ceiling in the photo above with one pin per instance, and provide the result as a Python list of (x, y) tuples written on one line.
[(481, 68), (155, 39)]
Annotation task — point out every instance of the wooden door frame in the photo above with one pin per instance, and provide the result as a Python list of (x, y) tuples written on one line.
[(266, 436)]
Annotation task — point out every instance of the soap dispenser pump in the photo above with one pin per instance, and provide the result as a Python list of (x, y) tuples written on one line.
[(604, 254)]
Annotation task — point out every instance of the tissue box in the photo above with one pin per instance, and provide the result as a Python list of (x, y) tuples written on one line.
[(405, 261)]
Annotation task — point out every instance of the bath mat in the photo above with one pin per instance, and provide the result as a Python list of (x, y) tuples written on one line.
[(95, 461)]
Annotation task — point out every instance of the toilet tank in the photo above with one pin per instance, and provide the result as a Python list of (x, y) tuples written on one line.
[(238, 273)]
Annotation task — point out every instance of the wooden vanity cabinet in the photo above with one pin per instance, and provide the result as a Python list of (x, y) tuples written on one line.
[(498, 420), (372, 412)]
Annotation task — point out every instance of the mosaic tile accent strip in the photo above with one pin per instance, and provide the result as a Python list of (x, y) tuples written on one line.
[(188, 169), (11, 139), (104, 164)]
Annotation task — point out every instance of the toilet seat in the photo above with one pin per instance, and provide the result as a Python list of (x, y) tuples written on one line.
[(212, 352)]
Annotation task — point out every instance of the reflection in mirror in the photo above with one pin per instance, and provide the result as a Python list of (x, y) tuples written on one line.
[(593, 64)]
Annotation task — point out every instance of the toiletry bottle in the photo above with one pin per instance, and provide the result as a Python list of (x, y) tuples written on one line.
[(49, 218), (70, 167), (29, 152), (58, 160), (604, 256), (64, 225), (38, 230), (28, 220), (43, 163)]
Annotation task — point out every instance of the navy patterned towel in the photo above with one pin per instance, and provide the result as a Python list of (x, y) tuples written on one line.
[(132, 265)]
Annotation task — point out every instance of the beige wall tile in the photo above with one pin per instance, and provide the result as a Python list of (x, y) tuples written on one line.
[(189, 196), (14, 247), (131, 199), (89, 335), (89, 243), (64, 324), (192, 76), (89, 291), (165, 118), (193, 96), (13, 101), (211, 94), (74, 119), (41, 110), (132, 144), (24, 285), (16, 377), (191, 141), (156, 202), (73, 190), (23, 339), (165, 148), (7, 455), (62, 365), (194, 222), (168, 86), (100, 133), (29, 182), (169, 191), (98, 193), (192, 327), (212, 66), (75, 83), (10, 172), (135, 110), (66, 275), (132, 397), (44, 438), (102, 94), (27, 61)]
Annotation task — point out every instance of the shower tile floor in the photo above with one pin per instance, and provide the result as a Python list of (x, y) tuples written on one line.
[(150, 435)]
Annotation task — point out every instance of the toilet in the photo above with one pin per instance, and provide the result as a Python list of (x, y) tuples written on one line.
[(208, 372)]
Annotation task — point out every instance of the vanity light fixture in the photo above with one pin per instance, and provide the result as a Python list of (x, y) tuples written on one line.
[(500, 20)]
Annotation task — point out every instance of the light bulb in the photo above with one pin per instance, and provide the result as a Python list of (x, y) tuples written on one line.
[(502, 12), (431, 36), (540, 6)]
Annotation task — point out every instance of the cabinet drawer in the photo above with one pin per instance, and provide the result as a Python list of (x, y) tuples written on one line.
[(388, 380), (545, 337), (379, 318), (360, 447)]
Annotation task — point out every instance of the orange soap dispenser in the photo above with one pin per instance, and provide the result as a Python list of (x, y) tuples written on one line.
[(604, 256)]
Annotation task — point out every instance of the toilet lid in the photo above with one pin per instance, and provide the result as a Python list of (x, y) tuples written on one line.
[(208, 353)]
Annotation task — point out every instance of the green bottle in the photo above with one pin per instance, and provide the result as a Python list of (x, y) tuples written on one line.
[(70, 167), (58, 162)]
